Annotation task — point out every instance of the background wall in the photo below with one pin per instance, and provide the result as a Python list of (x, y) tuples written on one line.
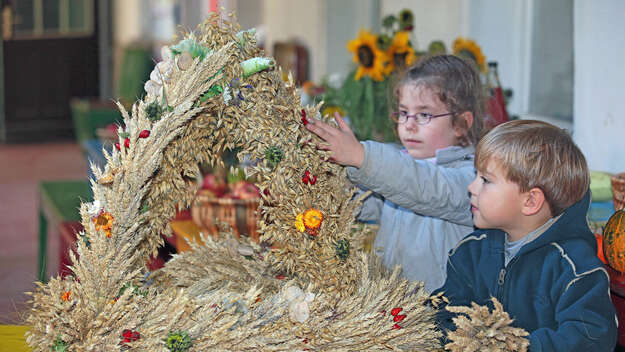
[(599, 109), (433, 20), (554, 74)]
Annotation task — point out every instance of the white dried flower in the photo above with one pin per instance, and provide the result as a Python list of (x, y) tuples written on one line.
[(299, 311), (298, 303), (94, 208), (166, 53), (245, 250), (165, 68), (184, 61), (153, 88), (292, 292), (226, 95)]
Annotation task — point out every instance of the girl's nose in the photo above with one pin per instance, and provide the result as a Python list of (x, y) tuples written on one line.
[(411, 124)]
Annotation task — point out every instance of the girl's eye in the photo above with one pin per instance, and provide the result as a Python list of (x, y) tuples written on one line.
[(484, 179)]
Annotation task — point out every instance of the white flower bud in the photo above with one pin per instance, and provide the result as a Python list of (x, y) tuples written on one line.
[(165, 53), (299, 311)]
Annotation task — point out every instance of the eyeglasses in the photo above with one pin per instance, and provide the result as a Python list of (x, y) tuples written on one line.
[(421, 118)]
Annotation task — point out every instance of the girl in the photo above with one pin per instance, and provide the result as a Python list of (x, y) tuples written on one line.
[(419, 193)]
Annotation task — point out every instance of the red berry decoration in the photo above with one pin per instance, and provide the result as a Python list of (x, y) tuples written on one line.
[(127, 142), (280, 277), (306, 177), (399, 317), (117, 146), (130, 336), (396, 327), (144, 134), (395, 311), (304, 121)]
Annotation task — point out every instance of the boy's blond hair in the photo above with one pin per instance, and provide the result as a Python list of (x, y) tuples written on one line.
[(537, 154)]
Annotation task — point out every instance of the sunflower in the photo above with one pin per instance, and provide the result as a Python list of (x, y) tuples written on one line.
[(406, 20), (369, 57), (330, 110), (400, 52), (467, 48)]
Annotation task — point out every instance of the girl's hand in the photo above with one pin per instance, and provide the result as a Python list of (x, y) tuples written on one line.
[(343, 145)]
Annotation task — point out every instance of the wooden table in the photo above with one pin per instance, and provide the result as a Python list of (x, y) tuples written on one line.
[(184, 229), (12, 338)]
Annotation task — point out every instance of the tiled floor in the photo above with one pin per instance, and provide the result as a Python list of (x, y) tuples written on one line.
[(22, 167)]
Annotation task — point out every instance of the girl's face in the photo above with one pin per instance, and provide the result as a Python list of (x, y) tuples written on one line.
[(422, 141)]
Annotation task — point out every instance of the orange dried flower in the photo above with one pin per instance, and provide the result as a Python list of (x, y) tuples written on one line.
[(66, 295), (313, 218), (104, 222)]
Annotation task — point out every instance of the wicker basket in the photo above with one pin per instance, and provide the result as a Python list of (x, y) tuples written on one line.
[(618, 190), (240, 214)]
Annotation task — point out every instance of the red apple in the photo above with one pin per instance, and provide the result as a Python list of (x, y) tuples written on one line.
[(213, 184), (245, 190)]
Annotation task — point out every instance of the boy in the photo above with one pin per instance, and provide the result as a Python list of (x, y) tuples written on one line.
[(538, 256)]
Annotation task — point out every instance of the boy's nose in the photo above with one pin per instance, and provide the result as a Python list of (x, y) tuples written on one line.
[(471, 186)]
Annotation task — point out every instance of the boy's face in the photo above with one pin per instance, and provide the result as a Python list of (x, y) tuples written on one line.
[(495, 202), (422, 141)]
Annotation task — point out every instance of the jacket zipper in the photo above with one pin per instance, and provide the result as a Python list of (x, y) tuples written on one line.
[(501, 282)]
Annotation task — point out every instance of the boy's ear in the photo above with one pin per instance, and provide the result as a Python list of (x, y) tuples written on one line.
[(534, 201), (462, 129)]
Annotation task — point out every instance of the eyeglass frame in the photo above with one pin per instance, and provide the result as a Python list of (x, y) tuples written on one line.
[(420, 120)]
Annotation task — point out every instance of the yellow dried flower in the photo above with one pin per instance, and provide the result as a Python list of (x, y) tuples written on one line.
[(299, 222)]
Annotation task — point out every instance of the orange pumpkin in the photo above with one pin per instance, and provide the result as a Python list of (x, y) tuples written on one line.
[(614, 241), (599, 239)]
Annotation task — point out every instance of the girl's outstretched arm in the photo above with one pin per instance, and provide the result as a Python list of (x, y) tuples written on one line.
[(341, 141)]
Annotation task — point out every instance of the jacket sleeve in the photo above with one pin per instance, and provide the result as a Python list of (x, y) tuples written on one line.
[(419, 186), (371, 207), (585, 315), (457, 287)]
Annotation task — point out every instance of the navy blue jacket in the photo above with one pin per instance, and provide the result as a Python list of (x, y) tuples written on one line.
[(555, 287)]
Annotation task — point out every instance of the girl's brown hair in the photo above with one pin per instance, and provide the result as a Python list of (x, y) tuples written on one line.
[(458, 86)]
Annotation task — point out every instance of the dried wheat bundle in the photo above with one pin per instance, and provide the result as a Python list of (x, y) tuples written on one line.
[(309, 290), (479, 329)]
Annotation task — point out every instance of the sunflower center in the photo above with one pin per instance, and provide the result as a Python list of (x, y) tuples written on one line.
[(399, 59), (365, 56), (467, 54)]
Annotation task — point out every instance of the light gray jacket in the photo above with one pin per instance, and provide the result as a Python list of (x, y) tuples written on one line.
[(422, 207)]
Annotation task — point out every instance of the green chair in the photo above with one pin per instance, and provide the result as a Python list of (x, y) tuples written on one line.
[(58, 207), (89, 115)]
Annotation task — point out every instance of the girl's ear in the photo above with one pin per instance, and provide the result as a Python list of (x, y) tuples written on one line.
[(464, 125)]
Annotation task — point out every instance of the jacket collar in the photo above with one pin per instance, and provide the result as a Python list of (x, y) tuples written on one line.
[(571, 224), (454, 153)]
